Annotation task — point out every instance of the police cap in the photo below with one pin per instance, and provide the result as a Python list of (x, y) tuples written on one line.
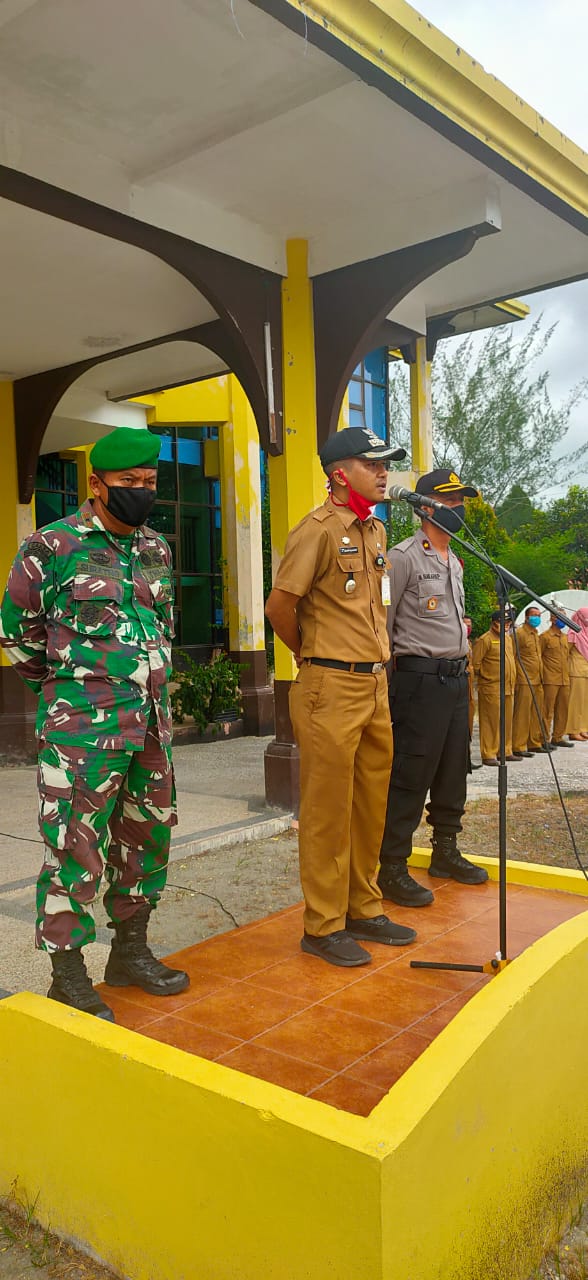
[(357, 442), (444, 481)]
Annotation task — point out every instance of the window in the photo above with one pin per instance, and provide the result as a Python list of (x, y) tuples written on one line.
[(188, 514), (56, 489), (368, 393)]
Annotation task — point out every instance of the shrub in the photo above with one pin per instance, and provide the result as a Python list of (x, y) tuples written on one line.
[(206, 691)]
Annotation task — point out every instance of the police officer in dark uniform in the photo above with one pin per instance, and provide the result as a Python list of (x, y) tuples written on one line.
[(429, 698)]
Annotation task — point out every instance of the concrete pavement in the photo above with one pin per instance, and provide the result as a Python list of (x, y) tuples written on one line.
[(221, 801)]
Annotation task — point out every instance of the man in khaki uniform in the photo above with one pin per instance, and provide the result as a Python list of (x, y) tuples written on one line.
[(328, 605), (555, 656), (467, 622), (487, 668), (527, 738)]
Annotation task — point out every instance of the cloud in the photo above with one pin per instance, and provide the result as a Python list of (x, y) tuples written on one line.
[(538, 49)]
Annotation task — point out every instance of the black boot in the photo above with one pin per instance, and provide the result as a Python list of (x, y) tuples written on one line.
[(398, 886), (448, 863), (71, 985), (132, 964)]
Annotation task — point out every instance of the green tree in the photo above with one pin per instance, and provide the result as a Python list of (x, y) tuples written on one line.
[(516, 510), (493, 420), (479, 580), (546, 565), (565, 523)]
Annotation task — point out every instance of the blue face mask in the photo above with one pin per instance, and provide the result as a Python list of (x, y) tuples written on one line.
[(534, 620), (559, 624)]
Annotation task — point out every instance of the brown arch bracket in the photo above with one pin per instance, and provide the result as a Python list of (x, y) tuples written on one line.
[(351, 305), (37, 397), (245, 297)]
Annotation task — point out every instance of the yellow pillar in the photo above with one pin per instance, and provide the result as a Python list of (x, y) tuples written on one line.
[(80, 454), (296, 479), (16, 519), (296, 485), (242, 553), (421, 424), (241, 518), (17, 703)]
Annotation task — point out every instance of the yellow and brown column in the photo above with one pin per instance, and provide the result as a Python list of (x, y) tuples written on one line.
[(296, 485), (17, 703)]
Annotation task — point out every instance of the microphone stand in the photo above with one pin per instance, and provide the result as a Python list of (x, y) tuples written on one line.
[(504, 580)]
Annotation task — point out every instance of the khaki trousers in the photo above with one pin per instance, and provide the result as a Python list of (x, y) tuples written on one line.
[(578, 708), (489, 717), (341, 722), (556, 700), (526, 731)]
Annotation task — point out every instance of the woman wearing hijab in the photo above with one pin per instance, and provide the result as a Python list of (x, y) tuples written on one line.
[(578, 708)]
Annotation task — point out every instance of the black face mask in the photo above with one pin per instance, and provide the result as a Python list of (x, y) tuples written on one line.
[(450, 518), (130, 506)]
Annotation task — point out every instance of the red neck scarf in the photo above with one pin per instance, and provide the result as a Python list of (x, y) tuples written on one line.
[(358, 505)]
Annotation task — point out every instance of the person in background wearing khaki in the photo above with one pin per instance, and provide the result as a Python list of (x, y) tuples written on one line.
[(328, 605), (487, 668), (555, 656), (527, 738), (578, 708), (467, 622)]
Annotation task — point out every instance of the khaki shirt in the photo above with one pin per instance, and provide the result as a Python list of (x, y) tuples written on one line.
[(330, 548), (426, 614), (530, 651), (487, 660), (555, 655)]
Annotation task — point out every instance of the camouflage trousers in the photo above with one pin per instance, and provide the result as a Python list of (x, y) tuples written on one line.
[(101, 812)]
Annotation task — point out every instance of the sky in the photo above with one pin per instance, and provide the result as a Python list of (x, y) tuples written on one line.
[(538, 48)]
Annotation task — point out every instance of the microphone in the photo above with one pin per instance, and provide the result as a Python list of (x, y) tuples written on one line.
[(397, 492)]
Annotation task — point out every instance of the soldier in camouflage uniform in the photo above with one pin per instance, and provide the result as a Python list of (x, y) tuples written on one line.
[(87, 622)]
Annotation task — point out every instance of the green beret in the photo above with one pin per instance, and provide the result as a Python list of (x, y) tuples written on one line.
[(126, 447)]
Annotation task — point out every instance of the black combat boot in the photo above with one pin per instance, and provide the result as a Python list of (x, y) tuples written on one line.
[(71, 985), (132, 964), (448, 863), (399, 886)]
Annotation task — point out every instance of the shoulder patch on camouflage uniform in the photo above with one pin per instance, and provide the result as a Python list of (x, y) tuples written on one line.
[(40, 551)]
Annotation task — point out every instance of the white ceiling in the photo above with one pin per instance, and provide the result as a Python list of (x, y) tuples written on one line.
[(211, 119), (69, 294), (168, 364)]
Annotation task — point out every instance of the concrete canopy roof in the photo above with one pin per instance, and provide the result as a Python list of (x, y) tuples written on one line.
[(352, 124)]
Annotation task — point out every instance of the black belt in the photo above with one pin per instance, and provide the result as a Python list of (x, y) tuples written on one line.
[(432, 666), (372, 667)]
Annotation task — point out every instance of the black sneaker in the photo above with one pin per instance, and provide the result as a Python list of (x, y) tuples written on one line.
[(336, 948), (380, 929), (448, 863), (399, 887)]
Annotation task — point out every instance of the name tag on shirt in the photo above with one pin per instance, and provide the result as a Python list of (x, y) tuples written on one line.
[(386, 594)]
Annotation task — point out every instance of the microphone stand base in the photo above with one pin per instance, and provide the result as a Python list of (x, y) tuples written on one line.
[(493, 966)]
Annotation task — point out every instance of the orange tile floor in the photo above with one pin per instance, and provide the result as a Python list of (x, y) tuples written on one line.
[(258, 1004)]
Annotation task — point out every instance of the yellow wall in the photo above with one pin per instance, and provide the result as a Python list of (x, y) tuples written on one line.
[(200, 402), (16, 519), (462, 1172)]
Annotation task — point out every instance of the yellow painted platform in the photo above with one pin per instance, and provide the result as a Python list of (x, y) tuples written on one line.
[(169, 1166)]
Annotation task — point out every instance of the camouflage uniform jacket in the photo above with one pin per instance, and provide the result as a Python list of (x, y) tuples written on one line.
[(87, 622)]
